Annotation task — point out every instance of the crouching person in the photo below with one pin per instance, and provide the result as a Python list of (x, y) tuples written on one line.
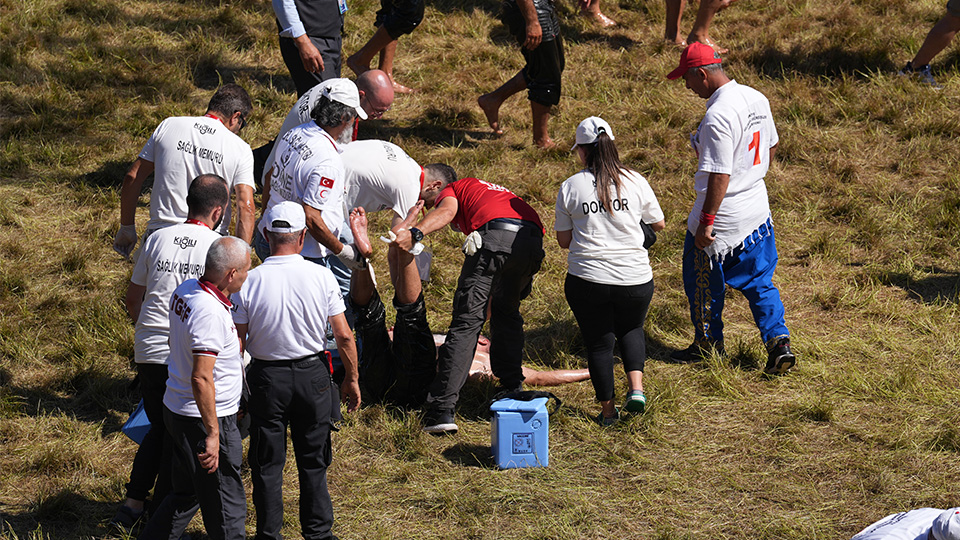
[(281, 316), (202, 400)]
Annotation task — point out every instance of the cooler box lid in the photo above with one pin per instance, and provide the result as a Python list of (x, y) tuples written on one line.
[(515, 405)]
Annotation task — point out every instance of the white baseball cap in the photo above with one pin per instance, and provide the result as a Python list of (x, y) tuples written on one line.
[(285, 217), (344, 91), (590, 129), (947, 525)]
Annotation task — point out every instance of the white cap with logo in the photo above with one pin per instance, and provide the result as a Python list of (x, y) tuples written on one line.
[(590, 129), (285, 217), (947, 525), (344, 91)]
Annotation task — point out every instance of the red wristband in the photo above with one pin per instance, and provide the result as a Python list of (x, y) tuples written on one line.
[(707, 219)]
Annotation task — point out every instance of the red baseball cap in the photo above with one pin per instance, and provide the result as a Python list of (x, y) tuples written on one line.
[(695, 55)]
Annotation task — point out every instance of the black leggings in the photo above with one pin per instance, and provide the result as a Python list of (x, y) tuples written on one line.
[(607, 313)]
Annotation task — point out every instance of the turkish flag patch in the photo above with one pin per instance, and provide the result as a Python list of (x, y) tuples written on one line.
[(326, 182)]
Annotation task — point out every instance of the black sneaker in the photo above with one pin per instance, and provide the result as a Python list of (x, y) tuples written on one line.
[(698, 351), (780, 359), (125, 520), (439, 422)]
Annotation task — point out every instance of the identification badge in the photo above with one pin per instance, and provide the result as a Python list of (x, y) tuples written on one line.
[(343, 6)]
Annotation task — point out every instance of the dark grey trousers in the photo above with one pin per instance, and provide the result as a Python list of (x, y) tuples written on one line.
[(219, 495), (501, 274)]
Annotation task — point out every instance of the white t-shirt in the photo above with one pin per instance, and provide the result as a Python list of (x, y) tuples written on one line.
[(380, 176), (912, 525), (734, 137), (168, 257), (299, 114), (286, 302), (181, 149), (309, 170), (607, 244), (200, 323)]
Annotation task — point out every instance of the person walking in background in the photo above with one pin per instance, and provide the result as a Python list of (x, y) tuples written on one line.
[(939, 37), (394, 19), (730, 237), (701, 25), (599, 216), (535, 25)]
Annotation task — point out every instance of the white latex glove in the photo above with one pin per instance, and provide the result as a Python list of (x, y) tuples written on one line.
[(125, 240), (351, 257), (391, 236), (472, 244)]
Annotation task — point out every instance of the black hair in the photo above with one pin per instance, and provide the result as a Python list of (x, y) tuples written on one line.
[(206, 192), (230, 98)]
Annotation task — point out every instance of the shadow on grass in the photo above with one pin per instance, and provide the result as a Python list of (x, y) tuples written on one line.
[(942, 287), (109, 175), (832, 61), (435, 128), (62, 513), (88, 397), (490, 7), (470, 455)]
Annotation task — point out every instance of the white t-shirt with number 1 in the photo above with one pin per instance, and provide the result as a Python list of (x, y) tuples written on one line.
[(734, 138)]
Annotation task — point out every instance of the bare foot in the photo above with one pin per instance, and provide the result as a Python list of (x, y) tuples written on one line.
[(545, 144), (358, 226), (491, 109), (707, 41), (401, 89), (599, 18), (678, 41), (355, 66)]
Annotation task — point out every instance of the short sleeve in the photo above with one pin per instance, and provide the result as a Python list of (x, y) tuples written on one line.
[(244, 170), (141, 269), (149, 149), (239, 310), (335, 304), (319, 189), (650, 209), (563, 221), (205, 331), (716, 146)]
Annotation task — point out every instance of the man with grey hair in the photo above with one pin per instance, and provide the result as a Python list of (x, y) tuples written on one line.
[(202, 400), (309, 171), (181, 149), (281, 315)]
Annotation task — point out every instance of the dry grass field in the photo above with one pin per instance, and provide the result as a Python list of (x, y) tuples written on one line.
[(865, 195)]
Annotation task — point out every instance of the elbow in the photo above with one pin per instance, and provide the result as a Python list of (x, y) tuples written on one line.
[(658, 226)]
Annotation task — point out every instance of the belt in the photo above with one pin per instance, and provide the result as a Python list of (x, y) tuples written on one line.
[(298, 362), (509, 224)]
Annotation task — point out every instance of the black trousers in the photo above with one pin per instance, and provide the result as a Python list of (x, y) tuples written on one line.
[(298, 394), (219, 496), (399, 372), (151, 465), (329, 48), (500, 273), (609, 313)]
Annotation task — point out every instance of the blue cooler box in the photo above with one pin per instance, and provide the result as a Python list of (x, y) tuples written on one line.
[(520, 433)]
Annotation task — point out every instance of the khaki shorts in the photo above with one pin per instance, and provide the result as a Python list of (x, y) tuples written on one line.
[(953, 7)]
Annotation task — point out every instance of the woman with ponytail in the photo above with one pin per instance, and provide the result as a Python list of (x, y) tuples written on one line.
[(609, 281)]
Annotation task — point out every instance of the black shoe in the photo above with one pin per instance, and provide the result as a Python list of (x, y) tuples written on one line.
[(439, 422), (125, 520), (698, 351), (780, 359)]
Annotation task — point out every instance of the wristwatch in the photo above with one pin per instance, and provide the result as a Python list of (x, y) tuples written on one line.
[(416, 234)]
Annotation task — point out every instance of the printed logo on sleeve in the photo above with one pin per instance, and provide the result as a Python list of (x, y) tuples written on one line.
[(326, 182), (180, 307)]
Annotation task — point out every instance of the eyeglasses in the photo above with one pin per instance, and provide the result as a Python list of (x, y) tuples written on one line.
[(378, 112), (243, 123)]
